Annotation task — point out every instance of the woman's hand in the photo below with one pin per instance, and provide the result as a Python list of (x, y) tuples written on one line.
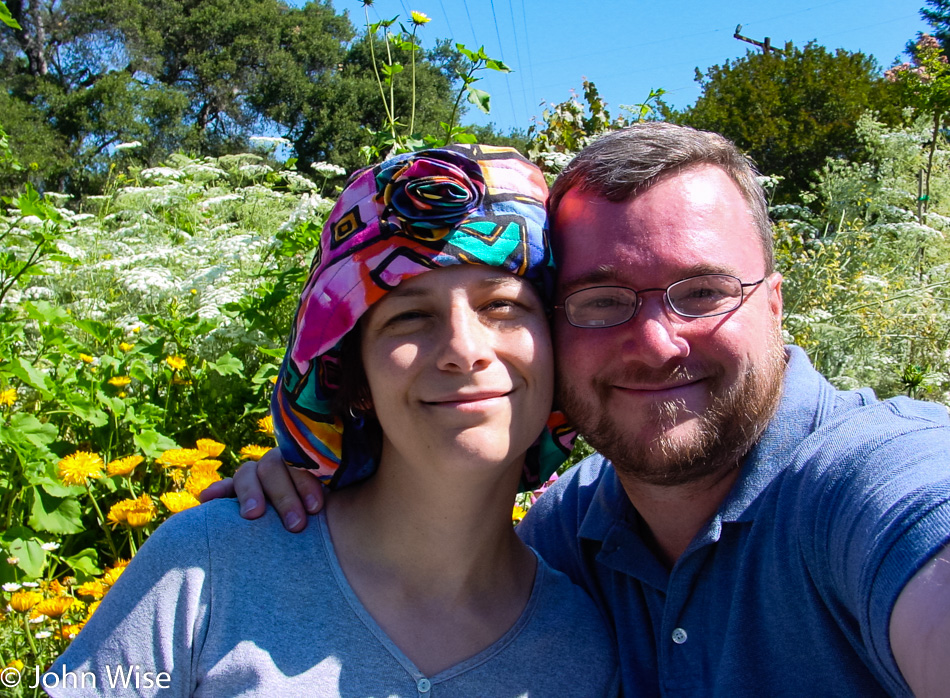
[(293, 492)]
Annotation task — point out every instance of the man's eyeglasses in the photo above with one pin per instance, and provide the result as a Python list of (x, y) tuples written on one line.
[(705, 295)]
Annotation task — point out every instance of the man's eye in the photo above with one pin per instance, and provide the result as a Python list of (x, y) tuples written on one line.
[(600, 303)]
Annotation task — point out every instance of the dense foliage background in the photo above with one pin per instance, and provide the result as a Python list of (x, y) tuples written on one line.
[(166, 167)]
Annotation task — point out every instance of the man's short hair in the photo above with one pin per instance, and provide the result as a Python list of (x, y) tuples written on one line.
[(621, 164)]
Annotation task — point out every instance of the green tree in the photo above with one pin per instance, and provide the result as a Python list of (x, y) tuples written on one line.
[(202, 76), (791, 110), (937, 16)]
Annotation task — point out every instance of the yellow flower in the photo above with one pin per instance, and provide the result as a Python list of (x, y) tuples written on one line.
[(86, 359), (125, 346), (91, 590), (8, 397), (57, 589), (199, 480), (120, 381), (181, 457), (136, 329), (15, 664), (266, 425), (418, 18), (254, 452), (123, 466), (178, 501), (273, 380), (93, 606), (518, 513), (76, 468), (23, 601), (54, 607), (133, 512), (110, 576), (137, 518), (210, 447), (176, 363), (69, 632), (205, 466)]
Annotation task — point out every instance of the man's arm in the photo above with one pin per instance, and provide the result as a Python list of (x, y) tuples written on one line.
[(289, 490), (920, 628)]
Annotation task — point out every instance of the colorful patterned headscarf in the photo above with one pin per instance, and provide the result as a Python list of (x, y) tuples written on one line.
[(411, 214)]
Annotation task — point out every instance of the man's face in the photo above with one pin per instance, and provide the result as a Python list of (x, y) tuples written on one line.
[(670, 400)]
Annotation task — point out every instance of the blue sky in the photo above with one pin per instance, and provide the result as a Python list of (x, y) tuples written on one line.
[(627, 47)]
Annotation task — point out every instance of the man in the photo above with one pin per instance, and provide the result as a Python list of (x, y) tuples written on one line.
[(747, 529)]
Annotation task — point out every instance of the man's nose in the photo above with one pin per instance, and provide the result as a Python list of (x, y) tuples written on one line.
[(652, 336)]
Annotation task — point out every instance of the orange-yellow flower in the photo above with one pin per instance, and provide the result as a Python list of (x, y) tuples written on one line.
[(91, 590), (252, 452), (86, 359), (181, 457), (205, 466), (69, 632), (15, 664), (120, 381), (109, 578), (54, 607), (176, 363), (75, 469), (93, 606), (266, 425), (133, 512), (178, 501), (123, 466), (199, 480), (210, 447), (23, 601)]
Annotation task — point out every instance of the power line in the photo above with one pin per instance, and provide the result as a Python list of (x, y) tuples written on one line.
[(501, 50), (514, 30), (471, 24)]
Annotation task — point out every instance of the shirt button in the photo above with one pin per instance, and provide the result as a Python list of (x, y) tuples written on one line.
[(679, 636), (423, 685)]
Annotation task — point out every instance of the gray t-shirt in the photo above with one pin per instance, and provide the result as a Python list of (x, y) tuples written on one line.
[(214, 605)]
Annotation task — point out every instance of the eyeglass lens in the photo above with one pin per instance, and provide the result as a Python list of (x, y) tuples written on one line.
[(699, 296)]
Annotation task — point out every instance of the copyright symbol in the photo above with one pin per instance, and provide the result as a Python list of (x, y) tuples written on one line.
[(10, 677)]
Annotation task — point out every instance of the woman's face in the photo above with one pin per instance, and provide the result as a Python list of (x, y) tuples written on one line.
[(460, 367)]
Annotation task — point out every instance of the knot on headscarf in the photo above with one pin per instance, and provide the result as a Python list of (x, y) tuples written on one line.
[(427, 195)]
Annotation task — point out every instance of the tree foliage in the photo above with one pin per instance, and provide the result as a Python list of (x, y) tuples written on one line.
[(792, 109), (937, 15), (196, 75)]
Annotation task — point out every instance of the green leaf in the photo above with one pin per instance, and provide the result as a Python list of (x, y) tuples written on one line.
[(86, 410), (492, 64), (227, 365), (32, 430), (152, 443), (465, 137), (32, 558), (480, 99), (54, 514), (33, 377), (7, 18), (85, 564)]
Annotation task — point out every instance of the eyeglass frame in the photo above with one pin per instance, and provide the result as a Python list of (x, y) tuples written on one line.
[(666, 298)]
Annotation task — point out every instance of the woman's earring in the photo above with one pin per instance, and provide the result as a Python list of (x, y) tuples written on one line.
[(358, 420)]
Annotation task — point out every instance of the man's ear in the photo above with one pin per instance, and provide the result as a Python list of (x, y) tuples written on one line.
[(774, 282)]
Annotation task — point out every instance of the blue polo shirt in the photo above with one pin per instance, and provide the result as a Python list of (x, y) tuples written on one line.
[(788, 589)]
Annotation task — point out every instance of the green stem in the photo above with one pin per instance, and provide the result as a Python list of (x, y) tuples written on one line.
[(29, 636), (372, 54), (412, 113), (102, 523)]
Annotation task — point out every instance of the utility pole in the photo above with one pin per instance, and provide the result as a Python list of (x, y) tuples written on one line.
[(766, 45)]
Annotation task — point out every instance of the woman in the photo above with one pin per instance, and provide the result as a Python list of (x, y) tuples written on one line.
[(418, 379)]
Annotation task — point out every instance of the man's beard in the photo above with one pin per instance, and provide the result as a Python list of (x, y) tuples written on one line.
[(726, 430)]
